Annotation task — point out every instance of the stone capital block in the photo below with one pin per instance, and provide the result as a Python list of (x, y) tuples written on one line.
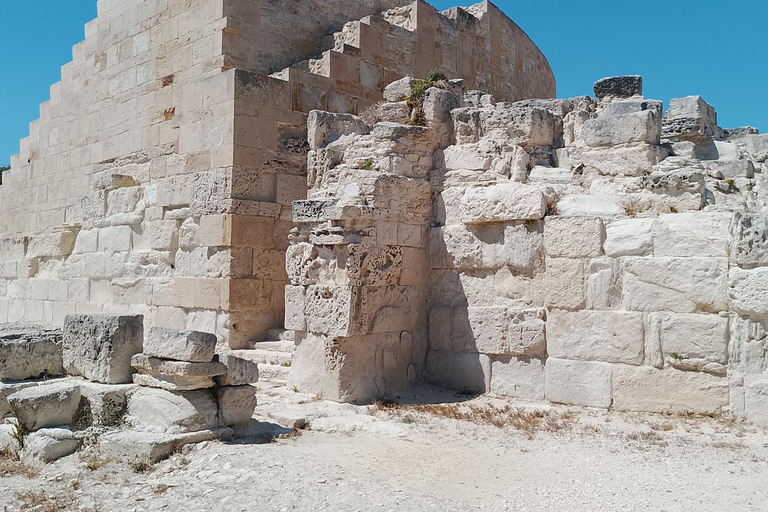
[(100, 347)]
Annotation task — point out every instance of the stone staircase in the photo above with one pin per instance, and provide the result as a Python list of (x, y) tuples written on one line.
[(274, 355)]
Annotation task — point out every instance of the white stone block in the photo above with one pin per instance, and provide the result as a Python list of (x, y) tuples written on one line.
[(462, 371), (497, 203), (158, 410), (701, 234), (115, 239), (578, 382), (609, 336), (629, 237), (756, 399), (573, 237), (518, 377), (586, 205), (192, 346), (748, 290), (47, 405), (694, 342)]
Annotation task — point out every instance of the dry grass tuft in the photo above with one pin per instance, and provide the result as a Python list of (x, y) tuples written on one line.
[(500, 417), (40, 501), (141, 466), (10, 465), (730, 445)]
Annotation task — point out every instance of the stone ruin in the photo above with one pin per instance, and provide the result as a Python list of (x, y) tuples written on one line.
[(204, 204)]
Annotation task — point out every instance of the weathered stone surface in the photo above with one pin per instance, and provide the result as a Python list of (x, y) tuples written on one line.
[(690, 118), (497, 203), (100, 347), (102, 404), (619, 86), (749, 239), (490, 245), (748, 290), (48, 444), (191, 346), (700, 234), (29, 352), (629, 237), (610, 130), (694, 342), (46, 406), (518, 377), (236, 404), (609, 336), (748, 347), (8, 388), (241, 368), (635, 159), (132, 445), (578, 382), (651, 390), (587, 205), (159, 410), (573, 237), (628, 106), (175, 375), (756, 399), (682, 285), (399, 89), (462, 371), (325, 127), (522, 124)]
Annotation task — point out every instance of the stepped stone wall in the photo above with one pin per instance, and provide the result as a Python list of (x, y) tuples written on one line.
[(601, 253), (160, 175)]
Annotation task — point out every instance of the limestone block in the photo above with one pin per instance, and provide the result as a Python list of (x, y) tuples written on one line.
[(29, 352), (620, 106), (502, 331), (694, 342), (175, 375), (467, 156), (756, 399), (603, 283), (575, 205), (158, 410), (573, 237), (47, 445), (115, 239), (47, 405), (325, 127), (13, 248), (162, 234), (102, 404), (748, 290), (463, 371), (131, 445), (629, 237), (295, 318), (692, 234), (399, 89), (738, 169), (329, 310), (609, 336), (651, 390), (192, 346), (562, 286), (619, 86), (100, 347), (518, 377), (484, 246), (496, 203), (611, 130), (578, 382), (690, 118), (395, 112), (8, 388), (749, 239), (241, 369), (635, 159), (52, 245), (748, 347), (236, 404), (681, 285)]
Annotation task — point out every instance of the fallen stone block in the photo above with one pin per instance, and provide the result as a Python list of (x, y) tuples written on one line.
[(236, 404), (396, 112), (731, 169), (191, 346), (399, 89), (100, 347), (158, 410), (28, 352), (650, 390), (578, 382), (46, 406), (133, 445), (241, 369), (619, 86), (48, 444), (175, 375), (690, 118), (102, 404), (611, 130), (9, 388), (293, 418)]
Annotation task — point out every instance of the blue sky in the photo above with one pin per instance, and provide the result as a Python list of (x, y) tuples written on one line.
[(713, 48)]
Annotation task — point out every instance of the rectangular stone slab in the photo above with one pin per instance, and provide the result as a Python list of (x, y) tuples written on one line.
[(99, 347), (29, 352), (144, 363), (191, 346)]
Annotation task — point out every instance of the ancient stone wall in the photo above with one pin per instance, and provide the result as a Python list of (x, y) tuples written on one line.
[(600, 253), (159, 178)]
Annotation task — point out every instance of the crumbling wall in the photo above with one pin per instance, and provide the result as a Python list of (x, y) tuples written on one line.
[(159, 178), (592, 252)]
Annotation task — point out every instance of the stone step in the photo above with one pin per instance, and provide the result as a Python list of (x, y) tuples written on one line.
[(280, 335), (274, 373), (285, 346)]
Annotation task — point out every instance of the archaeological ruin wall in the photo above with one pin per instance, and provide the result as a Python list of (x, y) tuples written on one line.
[(160, 176)]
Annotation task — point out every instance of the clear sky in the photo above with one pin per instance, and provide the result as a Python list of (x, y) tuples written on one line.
[(716, 49)]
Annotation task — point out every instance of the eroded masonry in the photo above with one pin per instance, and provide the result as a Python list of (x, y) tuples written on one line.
[(219, 185)]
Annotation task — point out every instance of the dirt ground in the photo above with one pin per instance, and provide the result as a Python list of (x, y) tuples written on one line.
[(430, 451)]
